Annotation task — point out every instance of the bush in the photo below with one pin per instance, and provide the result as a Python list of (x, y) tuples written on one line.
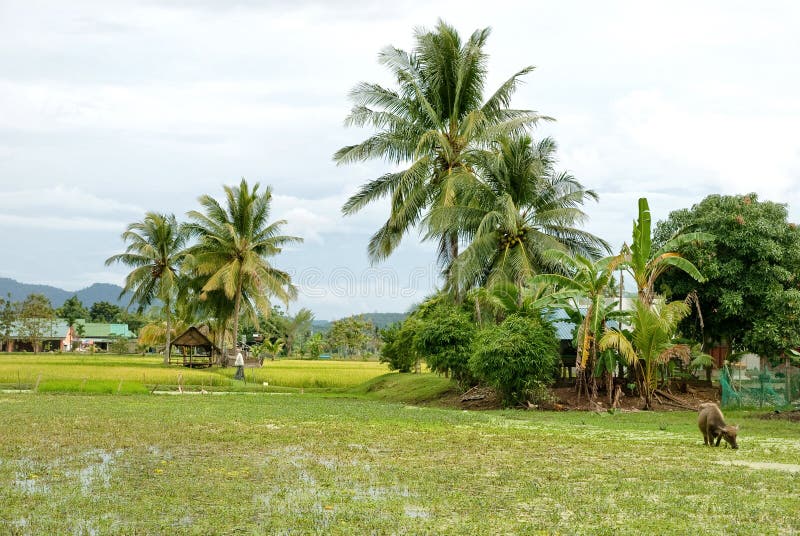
[(444, 337), (517, 357), (398, 346), (118, 345)]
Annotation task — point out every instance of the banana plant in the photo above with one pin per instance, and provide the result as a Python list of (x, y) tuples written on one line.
[(647, 265), (588, 282), (650, 342)]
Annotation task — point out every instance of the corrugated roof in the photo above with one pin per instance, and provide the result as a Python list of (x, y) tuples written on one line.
[(565, 329), (56, 329), (99, 330)]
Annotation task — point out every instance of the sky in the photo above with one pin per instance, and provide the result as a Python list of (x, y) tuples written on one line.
[(112, 109)]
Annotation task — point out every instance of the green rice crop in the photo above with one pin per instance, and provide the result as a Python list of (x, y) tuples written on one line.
[(26, 370), (312, 374), (92, 386)]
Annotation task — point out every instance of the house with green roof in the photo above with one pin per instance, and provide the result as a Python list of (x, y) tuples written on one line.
[(43, 334), (100, 335)]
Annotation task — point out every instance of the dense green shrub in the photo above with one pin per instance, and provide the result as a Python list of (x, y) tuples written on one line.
[(398, 345), (118, 345), (516, 357), (444, 338)]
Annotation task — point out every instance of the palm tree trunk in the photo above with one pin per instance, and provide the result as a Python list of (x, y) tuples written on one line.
[(590, 371), (237, 305), (221, 327), (453, 245), (449, 243), (647, 390), (169, 336)]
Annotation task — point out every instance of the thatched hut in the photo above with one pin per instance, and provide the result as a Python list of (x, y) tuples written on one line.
[(194, 349)]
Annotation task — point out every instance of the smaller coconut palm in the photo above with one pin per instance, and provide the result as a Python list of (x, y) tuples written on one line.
[(296, 327), (493, 304), (650, 344), (154, 333), (155, 252), (235, 242), (270, 348), (520, 209)]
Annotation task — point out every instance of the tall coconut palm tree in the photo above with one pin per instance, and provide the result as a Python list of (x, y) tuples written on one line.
[(520, 209), (431, 123), (234, 244), (156, 249)]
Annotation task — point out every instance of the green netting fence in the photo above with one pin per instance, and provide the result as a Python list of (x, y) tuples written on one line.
[(770, 387)]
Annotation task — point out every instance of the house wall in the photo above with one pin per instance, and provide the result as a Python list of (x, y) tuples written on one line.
[(720, 354), (19, 345)]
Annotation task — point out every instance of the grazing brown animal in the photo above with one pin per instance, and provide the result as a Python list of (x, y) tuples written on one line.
[(712, 425)]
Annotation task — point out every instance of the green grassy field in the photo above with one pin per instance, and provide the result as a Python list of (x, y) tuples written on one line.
[(312, 464), (88, 373)]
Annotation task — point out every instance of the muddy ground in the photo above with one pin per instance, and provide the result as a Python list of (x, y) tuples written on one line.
[(567, 398)]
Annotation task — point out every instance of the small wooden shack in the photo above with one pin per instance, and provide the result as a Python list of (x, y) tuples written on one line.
[(194, 349)]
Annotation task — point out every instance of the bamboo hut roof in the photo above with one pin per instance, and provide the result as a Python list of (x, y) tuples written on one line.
[(194, 338)]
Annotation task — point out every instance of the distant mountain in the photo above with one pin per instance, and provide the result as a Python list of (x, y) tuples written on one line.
[(380, 320), (88, 296), (110, 293), (320, 326)]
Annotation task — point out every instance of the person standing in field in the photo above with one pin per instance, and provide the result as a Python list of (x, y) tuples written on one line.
[(239, 365)]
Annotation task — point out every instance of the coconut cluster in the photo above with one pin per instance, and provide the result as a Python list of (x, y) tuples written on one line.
[(509, 240)]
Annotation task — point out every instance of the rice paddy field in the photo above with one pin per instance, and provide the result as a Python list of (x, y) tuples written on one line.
[(313, 462), (70, 372)]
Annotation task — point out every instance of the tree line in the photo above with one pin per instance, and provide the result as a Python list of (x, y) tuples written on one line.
[(34, 317)]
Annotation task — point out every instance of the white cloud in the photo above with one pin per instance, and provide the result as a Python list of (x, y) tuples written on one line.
[(742, 151), (189, 107), (75, 223), (63, 199)]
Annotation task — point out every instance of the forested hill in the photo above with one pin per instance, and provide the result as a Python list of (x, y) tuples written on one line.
[(110, 293), (380, 320), (88, 296)]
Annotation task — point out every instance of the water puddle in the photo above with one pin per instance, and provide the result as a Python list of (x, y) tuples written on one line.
[(786, 467), (96, 474), (30, 486), (416, 512)]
